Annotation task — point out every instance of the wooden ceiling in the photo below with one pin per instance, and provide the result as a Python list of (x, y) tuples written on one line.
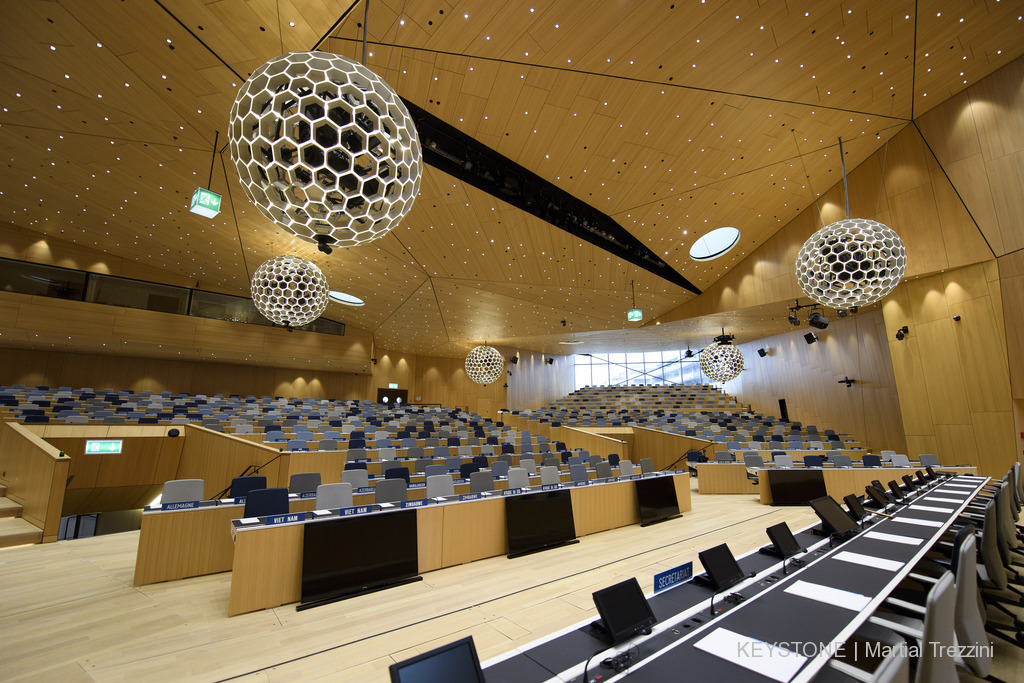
[(673, 118)]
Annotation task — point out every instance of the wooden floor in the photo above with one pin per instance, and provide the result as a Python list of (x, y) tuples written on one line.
[(68, 610)]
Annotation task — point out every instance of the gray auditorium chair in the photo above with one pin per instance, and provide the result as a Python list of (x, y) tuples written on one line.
[(969, 622), (604, 470), (575, 460), (420, 464), (724, 456), (900, 460), (358, 478), (840, 460), (335, 495), (594, 459), (386, 453), (549, 475), (390, 491), (518, 478), (625, 468), (414, 452), (182, 491), (431, 470), (325, 444), (928, 460), (440, 485), (390, 464), (646, 465), (551, 461), (480, 482), (753, 461), (302, 482), (529, 465), (578, 472), (887, 455), (783, 460), (453, 462), (499, 468)]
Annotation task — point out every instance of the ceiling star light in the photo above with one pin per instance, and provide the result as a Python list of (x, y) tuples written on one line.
[(289, 291), (721, 361), (325, 148), (852, 262), (484, 364)]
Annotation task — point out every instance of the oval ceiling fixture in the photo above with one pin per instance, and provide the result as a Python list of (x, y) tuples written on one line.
[(714, 244), (570, 343), (347, 299)]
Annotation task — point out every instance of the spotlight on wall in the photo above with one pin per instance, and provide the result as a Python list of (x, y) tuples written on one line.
[(550, 361), (841, 313), (902, 333), (762, 353), (793, 320), (688, 354), (509, 373), (513, 360), (817, 321), (374, 360), (956, 318), (810, 337)]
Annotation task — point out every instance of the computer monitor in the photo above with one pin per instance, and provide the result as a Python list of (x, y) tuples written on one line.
[(922, 480), (832, 516), (721, 567), (857, 510), (453, 663), (931, 472), (656, 497), (624, 611), (896, 490), (877, 484), (783, 541), (538, 521), (878, 495), (908, 481)]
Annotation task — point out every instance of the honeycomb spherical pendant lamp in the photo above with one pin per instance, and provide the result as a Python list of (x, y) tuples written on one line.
[(290, 291), (325, 148), (851, 263), (484, 364), (721, 361)]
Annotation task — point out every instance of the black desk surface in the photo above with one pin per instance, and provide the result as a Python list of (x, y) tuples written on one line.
[(767, 614)]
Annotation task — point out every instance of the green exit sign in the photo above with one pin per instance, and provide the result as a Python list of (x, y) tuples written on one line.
[(103, 446), (392, 385), (205, 203), (634, 314)]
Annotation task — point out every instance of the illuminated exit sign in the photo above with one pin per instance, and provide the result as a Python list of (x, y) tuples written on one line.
[(103, 446), (634, 314), (205, 203)]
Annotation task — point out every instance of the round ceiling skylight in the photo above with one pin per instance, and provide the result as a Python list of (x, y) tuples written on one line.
[(714, 244), (347, 299)]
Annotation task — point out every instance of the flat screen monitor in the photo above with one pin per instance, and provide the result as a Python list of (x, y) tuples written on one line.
[(624, 611), (857, 510), (877, 484), (921, 479), (352, 555), (721, 567), (896, 490), (452, 663), (782, 539), (931, 472), (657, 499), (537, 521), (908, 481), (795, 486), (877, 495), (832, 517)]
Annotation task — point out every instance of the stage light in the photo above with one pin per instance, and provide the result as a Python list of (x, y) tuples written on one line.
[(902, 333), (762, 353), (793, 320), (817, 321), (550, 361), (810, 337)]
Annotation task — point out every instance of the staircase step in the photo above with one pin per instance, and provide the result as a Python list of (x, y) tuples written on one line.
[(16, 531), (8, 508), (3, 489)]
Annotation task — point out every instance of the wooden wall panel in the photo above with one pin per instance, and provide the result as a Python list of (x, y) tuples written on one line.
[(217, 458), (807, 377), (35, 474)]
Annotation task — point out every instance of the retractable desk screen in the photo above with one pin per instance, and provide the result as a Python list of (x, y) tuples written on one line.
[(537, 521), (877, 495), (896, 490), (853, 505), (452, 663), (624, 611), (782, 539), (921, 479), (833, 517), (657, 499), (721, 567)]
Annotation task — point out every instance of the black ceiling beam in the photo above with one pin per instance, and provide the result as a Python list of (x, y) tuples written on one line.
[(457, 154)]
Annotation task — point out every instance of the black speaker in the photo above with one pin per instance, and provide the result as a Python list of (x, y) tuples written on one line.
[(783, 410), (173, 431), (762, 353)]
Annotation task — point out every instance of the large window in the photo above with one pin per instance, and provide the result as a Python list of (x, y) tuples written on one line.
[(651, 368)]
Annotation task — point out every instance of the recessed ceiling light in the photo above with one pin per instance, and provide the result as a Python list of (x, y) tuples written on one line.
[(570, 343), (347, 299)]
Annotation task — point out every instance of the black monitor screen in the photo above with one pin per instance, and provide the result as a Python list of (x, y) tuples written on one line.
[(538, 520), (721, 567), (931, 472), (877, 495), (853, 504), (921, 478), (877, 484), (896, 490), (833, 518), (795, 486), (453, 663), (908, 481), (657, 499), (782, 539), (624, 610), (349, 555)]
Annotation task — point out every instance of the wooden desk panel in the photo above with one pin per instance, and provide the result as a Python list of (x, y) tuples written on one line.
[(842, 481), (725, 477), (473, 532), (271, 570), (599, 508)]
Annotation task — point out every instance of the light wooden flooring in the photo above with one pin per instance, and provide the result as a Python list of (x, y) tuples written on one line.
[(68, 610)]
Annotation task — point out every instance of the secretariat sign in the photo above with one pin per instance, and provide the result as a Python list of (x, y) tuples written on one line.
[(205, 203)]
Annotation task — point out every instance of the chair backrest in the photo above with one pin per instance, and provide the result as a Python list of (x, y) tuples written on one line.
[(398, 473), (812, 461), (625, 468), (887, 455), (499, 468), (900, 460), (871, 460), (182, 490), (439, 485), (453, 462), (468, 468), (551, 461), (783, 460), (334, 495), (464, 451), (480, 460), (420, 465), (575, 460), (969, 624), (613, 459), (594, 459), (386, 453), (578, 472), (604, 470), (263, 502), (432, 470), (724, 456), (414, 452), (928, 460), (326, 444), (990, 556), (480, 482), (841, 460), (390, 491), (240, 486), (302, 482), (518, 478), (646, 465), (529, 465), (753, 461), (357, 477), (934, 664), (549, 475)]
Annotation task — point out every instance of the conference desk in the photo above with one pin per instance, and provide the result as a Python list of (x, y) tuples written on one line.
[(266, 568), (830, 481), (808, 613)]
